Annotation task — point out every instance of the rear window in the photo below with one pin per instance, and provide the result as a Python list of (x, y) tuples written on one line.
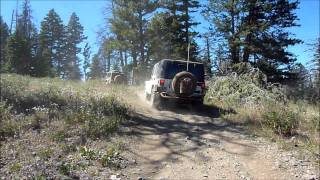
[(171, 68)]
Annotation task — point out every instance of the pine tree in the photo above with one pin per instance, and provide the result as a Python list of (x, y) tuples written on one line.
[(256, 32), (74, 37), (315, 71), (170, 31), (52, 43), (96, 70), (159, 37), (4, 34), (207, 57), (21, 48), (220, 62), (316, 63), (42, 64), (181, 24), (300, 82), (129, 25), (17, 55), (107, 49), (86, 63)]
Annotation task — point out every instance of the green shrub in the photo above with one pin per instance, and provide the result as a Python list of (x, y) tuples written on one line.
[(110, 159), (88, 153), (282, 121), (99, 127)]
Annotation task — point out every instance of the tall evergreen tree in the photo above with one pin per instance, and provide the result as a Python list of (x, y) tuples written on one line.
[(316, 63), (74, 38), (256, 32), (160, 37), (129, 24), (96, 69), (181, 23), (300, 83), (52, 43), (315, 71), (170, 31), (4, 34), (22, 44)]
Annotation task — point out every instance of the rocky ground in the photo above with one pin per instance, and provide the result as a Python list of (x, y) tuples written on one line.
[(179, 142)]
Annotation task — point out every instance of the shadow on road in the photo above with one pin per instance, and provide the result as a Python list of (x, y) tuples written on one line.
[(184, 129)]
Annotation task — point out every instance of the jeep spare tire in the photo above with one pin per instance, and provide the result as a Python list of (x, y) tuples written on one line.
[(184, 84), (119, 79)]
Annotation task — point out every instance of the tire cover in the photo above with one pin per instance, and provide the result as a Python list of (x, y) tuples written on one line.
[(180, 77)]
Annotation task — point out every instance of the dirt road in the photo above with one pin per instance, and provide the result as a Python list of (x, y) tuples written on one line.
[(187, 143)]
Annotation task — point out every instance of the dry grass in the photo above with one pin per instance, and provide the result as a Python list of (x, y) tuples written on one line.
[(50, 121)]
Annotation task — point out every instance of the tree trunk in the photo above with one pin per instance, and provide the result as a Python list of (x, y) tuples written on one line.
[(121, 58), (246, 50), (208, 56), (251, 22), (125, 57), (185, 2), (141, 38), (234, 48), (134, 57)]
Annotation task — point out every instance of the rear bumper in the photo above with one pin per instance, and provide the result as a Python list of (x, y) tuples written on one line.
[(191, 98)]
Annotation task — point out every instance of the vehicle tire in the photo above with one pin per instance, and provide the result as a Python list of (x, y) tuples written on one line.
[(189, 82), (119, 79)]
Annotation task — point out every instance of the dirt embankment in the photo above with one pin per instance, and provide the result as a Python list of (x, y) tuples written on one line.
[(183, 142)]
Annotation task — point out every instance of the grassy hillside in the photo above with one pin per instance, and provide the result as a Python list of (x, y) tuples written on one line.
[(52, 124), (44, 100)]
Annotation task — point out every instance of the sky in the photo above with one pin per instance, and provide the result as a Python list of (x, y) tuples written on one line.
[(91, 14)]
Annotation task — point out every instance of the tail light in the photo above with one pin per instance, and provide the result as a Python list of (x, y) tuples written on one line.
[(161, 82)]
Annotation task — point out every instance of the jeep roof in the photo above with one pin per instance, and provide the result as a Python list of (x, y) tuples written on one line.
[(168, 68)]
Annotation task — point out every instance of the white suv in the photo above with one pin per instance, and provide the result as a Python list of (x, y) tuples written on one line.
[(176, 80)]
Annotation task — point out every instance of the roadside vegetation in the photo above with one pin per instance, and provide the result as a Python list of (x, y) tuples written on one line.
[(67, 116), (265, 109), (44, 100)]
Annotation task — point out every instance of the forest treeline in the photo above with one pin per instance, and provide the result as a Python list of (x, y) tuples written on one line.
[(139, 33)]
